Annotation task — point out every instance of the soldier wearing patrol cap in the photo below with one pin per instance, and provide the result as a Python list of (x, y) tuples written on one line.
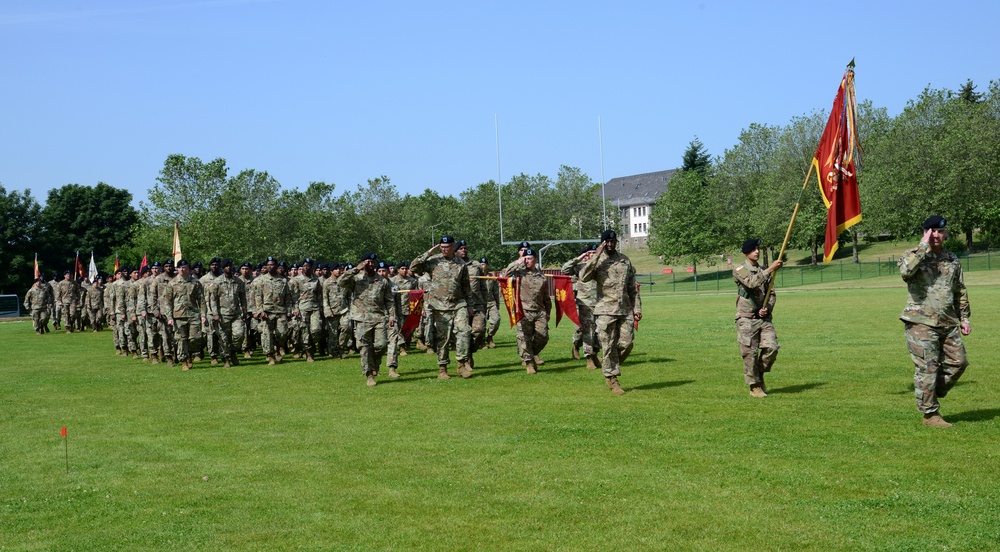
[(491, 290), (183, 304), (373, 309), (308, 293), (586, 298), (936, 317), (447, 299), (754, 329), (533, 292), (618, 305), (273, 302)]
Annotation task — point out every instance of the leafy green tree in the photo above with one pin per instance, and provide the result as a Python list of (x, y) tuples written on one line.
[(683, 222), (82, 218), (19, 230)]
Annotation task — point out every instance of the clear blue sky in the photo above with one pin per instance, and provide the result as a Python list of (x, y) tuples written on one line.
[(104, 90)]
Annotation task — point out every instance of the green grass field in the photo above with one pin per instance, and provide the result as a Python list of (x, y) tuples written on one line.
[(304, 456)]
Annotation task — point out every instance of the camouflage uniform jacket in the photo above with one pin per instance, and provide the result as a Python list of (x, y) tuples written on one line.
[(586, 292), (617, 294), (492, 292), (272, 295), (132, 299), (533, 286), (308, 293), (751, 286), (936, 294), (227, 298), (147, 295), (248, 285), (53, 285), (109, 297), (448, 288), (208, 281), (120, 294), (404, 284), (155, 292), (183, 298), (477, 299), (66, 292), (373, 297), (336, 300), (36, 299), (95, 297)]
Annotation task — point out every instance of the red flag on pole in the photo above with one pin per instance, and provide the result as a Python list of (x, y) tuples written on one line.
[(511, 300), (565, 300), (837, 159), (36, 266), (78, 268), (116, 263), (142, 265), (416, 300)]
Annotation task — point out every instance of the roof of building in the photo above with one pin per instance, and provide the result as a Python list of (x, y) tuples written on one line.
[(637, 189)]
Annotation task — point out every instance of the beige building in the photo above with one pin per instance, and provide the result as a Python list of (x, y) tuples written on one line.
[(634, 197)]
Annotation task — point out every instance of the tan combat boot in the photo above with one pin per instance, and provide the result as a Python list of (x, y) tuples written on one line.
[(616, 387), (247, 355), (492, 345), (402, 351), (226, 364), (421, 346), (592, 362), (156, 360), (530, 367), (186, 365), (443, 373), (430, 351), (465, 369), (371, 381), (935, 420), (539, 361), (757, 392), (309, 357), (576, 353), (270, 360), (215, 361), (393, 373)]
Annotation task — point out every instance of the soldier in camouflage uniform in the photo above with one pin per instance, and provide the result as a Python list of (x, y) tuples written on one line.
[(936, 317), (423, 333), (183, 302), (126, 332), (447, 299), (137, 337), (476, 301), (533, 290), (618, 305), (94, 303), (36, 300), (403, 282), (111, 310), (148, 307), (167, 342), (399, 298), (308, 311), (55, 310), (249, 333), (66, 299), (754, 328), (491, 291), (274, 303), (227, 305), (586, 297), (335, 307), (373, 307)]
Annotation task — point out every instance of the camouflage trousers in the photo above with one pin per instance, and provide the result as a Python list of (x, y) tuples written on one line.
[(310, 330), (493, 319), (395, 342), (585, 335), (442, 324), (332, 334), (39, 319), (534, 331), (152, 327), (273, 332), (96, 319), (138, 329), (939, 358), (229, 335), (616, 336), (372, 342), (478, 328), (187, 331), (70, 318), (753, 335), (167, 340)]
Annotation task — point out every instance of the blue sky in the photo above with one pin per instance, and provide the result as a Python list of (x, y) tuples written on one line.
[(104, 90)]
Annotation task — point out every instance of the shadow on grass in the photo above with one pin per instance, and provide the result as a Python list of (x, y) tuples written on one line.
[(909, 390), (797, 388), (975, 415), (661, 385)]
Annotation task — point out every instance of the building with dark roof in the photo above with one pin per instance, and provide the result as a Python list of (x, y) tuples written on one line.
[(634, 196)]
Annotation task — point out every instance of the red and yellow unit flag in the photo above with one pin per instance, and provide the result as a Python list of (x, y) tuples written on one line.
[(116, 263), (510, 291), (36, 266), (836, 163), (565, 300), (78, 268), (416, 300)]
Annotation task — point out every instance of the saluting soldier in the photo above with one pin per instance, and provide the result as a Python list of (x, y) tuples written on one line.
[(447, 298), (586, 298), (754, 328), (936, 317), (184, 300), (373, 307), (618, 305), (533, 288)]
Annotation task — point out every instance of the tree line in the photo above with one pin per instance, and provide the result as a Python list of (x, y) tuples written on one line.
[(940, 155)]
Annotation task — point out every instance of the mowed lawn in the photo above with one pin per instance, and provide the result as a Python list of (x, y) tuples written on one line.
[(304, 456)]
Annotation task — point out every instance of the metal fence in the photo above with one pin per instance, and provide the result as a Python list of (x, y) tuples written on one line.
[(10, 306), (720, 278)]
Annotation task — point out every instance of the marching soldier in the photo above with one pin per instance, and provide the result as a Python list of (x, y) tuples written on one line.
[(274, 302), (308, 294), (536, 303), (372, 307), (183, 303), (754, 329), (491, 291), (94, 303), (227, 304), (66, 300), (586, 298), (447, 299), (36, 300), (476, 300)]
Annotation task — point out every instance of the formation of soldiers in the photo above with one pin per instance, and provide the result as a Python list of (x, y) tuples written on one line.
[(185, 314)]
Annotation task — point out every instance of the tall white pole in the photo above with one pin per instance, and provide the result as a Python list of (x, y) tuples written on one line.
[(496, 126), (604, 195)]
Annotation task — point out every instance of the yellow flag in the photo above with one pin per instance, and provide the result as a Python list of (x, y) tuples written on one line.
[(177, 243)]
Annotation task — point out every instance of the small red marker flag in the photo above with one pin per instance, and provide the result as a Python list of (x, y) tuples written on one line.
[(64, 432)]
